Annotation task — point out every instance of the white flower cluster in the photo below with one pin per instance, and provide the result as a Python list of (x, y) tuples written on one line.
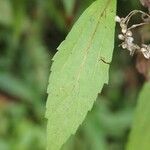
[(127, 37)]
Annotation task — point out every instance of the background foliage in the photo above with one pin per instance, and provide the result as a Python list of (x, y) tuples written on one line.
[(30, 31)]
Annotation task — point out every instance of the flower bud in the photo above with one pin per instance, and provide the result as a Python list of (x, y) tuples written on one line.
[(121, 37), (124, 45), (117, 19), (129, 33), (146, 53)]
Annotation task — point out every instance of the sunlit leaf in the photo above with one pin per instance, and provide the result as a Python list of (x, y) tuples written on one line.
[(79, 71)]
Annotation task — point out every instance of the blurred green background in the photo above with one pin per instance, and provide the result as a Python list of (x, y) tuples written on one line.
[(30, 32)]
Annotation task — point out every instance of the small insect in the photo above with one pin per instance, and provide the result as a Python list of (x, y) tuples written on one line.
[(126, 35), (104, 61)]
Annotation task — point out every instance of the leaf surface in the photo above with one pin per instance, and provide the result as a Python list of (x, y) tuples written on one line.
[(140, 134), (79, 71)]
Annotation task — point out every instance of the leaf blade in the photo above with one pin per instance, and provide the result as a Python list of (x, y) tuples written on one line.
[(140, 134), (78, 73)]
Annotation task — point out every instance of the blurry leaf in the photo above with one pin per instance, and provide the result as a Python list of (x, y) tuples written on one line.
[(94, 133), (140, 134), (20, 24), (28, 136), (79, 71), (4, 145), (39, 61), (15, 87), (55, 14), (5, 12), (115, 124), (69, 6)]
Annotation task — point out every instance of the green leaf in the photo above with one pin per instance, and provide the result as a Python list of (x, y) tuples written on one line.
[(79, 71), (140, 134)]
